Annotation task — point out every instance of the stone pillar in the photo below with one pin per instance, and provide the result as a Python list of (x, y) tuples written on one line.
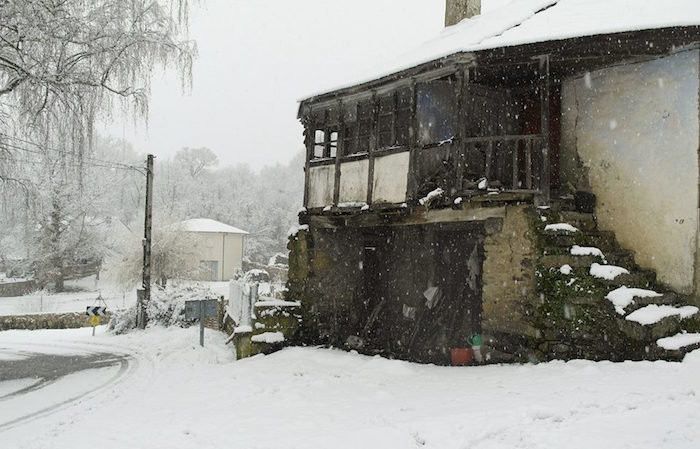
[(457, 10)]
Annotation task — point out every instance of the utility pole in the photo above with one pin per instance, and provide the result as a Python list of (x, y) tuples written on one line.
[(144, 295)]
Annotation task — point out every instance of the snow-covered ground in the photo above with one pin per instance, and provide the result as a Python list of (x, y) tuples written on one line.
[(177, 395), (84, 294)]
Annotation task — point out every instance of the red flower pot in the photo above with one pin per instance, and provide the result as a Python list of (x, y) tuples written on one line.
[(462, 356)]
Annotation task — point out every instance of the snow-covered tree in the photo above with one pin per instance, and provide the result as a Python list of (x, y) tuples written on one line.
[(62, 66)]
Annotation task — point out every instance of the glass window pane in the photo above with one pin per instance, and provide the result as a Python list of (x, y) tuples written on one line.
[(386, 104), (435, 111), (385, 129), (403, 119), (319, 136), (349, 141), (404, 98), (350, 112)]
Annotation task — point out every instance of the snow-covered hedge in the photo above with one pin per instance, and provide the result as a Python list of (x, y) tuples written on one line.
[(166, 308)]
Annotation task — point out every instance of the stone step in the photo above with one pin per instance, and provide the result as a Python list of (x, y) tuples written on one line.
[(638, 279), (673, 355), (667, 299), (584, 222), (605, 241), (562, 204), (650, 332), (556, 260)]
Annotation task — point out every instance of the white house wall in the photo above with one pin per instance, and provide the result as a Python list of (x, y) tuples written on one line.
[(390, 178), (353, 181), (321, 185), (635, 130), (225, 249)]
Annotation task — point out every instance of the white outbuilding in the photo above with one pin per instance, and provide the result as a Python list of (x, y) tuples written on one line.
[(219, 247)]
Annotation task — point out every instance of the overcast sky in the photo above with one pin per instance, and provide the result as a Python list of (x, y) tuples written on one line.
[(258, 57)]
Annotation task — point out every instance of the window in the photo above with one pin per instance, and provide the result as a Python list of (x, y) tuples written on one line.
[(350, 128), (403, 116), (325, 143), (319, 143), (387, 119), (325, 133), (436, 111), (395, 119), (364, 123)]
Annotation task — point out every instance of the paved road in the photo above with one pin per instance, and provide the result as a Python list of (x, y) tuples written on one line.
[(36, 372), (50, 367)]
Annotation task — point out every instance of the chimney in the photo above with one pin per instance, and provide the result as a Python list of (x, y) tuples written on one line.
[(457, 10)]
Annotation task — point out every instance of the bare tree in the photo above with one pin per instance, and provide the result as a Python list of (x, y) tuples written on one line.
[(195, 160), (173, 257)]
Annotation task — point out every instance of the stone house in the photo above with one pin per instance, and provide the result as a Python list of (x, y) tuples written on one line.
[(430, 186)]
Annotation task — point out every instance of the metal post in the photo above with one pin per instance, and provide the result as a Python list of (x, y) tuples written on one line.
[(141, 318), (201, 322)]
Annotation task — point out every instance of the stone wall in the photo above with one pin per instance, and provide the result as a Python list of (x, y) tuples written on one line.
[(630, 135), (10, 289), (509, 284), (46, 321)]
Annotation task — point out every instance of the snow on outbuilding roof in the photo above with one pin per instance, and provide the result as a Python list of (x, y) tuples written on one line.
[(520, 22), (209, 225)]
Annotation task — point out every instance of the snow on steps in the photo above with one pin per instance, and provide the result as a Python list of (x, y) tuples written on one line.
[(607, 272), (565, 228), (644, 314), (582, 221), (653, 313), (679, 341), (624, 296), (556, 260), (603, 240)]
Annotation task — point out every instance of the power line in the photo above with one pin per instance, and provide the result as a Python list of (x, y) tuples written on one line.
[(42, 149), (89, 161)]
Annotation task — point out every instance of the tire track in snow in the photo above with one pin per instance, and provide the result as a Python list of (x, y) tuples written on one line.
[(127, 366)]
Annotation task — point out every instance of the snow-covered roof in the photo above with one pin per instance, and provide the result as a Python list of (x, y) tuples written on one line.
[(521, 22), (209, 225)]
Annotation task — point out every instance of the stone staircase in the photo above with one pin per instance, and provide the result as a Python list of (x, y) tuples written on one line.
[(574, 318)]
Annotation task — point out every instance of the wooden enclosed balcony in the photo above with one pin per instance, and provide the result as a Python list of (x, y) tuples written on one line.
[(395, 145)]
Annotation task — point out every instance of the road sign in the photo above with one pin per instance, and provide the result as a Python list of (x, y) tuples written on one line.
[(199, 310), (192, 309), (96, 311), (95, 320)]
